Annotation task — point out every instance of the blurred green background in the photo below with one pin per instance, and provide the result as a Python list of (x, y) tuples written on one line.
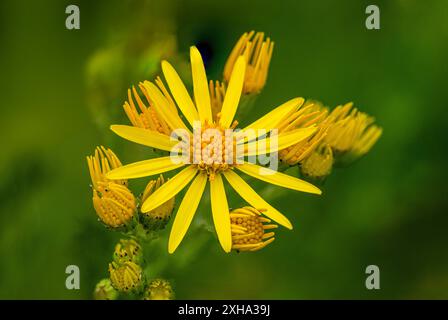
[(62, 88)]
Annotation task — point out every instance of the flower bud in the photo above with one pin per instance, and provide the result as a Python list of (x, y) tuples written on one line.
[(159, 289), (319, 164), (351, 133), (126, 277), (114, 203), (157, 218), (312, 113), (249, 229), (258, 53), (105, 291), (127, 250)]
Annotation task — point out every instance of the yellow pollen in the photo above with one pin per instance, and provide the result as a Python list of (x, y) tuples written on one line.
[(216, 152)]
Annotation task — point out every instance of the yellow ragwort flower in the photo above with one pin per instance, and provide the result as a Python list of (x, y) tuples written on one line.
[(159, 289), (114, 203), (158, 217), (211, 168), (351, 130), (249, 229), (312, 113), (126, 276), (258, 53), (148, 115)]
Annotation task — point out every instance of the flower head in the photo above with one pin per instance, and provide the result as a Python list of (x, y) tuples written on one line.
[(212, 159), (258, 53), (312, 113), (127, 250), (105, 291), (249, 229), (159, 289), (114, 203), (319, 164), (156, 218), (147, 115), (126, 276), (351, 130)]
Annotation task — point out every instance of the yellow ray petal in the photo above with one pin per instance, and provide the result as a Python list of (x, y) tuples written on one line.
[(145, 137), (220, 211), (278, 178), (179, 92), (251, 197), (272, 119), (186, 211), (162, 106), (200, 85), (284, 140), (144, 168), (233, 93), (169, 189)]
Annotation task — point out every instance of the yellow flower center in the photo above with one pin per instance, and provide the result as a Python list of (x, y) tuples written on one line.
[(213, 149)]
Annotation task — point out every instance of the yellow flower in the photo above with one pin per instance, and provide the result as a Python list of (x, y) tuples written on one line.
[(114, 203), (210, 168), (319, 164), (249, 229), (368, 138), (147, 115), (258, 53), (126, 276), (158, 217), (351, 130), (159, 289), (312, 113)]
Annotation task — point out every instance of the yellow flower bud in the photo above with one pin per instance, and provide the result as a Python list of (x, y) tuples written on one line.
[(126, 276), (157, 218), (146, 115), (248, 228), (105, 291), (127, 250), (258, 53), (351, 131), (159, 289), (319, 164), (114, 203), (312, 113)]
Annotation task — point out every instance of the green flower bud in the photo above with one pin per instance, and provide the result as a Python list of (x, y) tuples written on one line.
[(159, 289), (127, 250), (105, 291), (126, 277)]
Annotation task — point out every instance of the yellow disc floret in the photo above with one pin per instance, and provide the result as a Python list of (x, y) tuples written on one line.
[(211, 150)]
